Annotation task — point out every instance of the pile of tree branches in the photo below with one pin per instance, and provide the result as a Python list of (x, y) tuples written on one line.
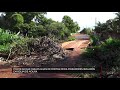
[(42, 51)]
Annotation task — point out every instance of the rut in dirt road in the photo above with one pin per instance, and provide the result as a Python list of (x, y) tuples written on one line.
[(78, 46)]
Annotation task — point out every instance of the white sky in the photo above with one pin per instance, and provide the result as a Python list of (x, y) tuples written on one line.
[(84, 19)]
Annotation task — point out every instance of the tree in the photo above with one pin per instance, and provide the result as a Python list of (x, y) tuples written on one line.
[(29, 16), (43, 20), (111, 28), (86, 31), (58, 30), (20, 21), (16, 20), (111, 25), (72, 26), (35, 24)]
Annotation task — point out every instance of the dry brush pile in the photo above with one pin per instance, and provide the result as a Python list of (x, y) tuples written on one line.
[(42, 51)]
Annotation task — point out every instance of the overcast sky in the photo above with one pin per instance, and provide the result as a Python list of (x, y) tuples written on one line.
[(84, 19)]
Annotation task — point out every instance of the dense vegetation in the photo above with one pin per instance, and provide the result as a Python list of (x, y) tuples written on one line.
[(18, 28), (107, 53), (6, 40), (35, 24), (105, 43), (12, 44)]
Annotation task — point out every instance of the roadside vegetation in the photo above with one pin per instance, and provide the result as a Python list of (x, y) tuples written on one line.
[(105, 45), (19, 28)]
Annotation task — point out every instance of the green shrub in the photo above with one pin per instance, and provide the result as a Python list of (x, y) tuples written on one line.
[(7, 40), (4, 48), (71, 38), (20, 46), (107, 53), (94, 39)]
